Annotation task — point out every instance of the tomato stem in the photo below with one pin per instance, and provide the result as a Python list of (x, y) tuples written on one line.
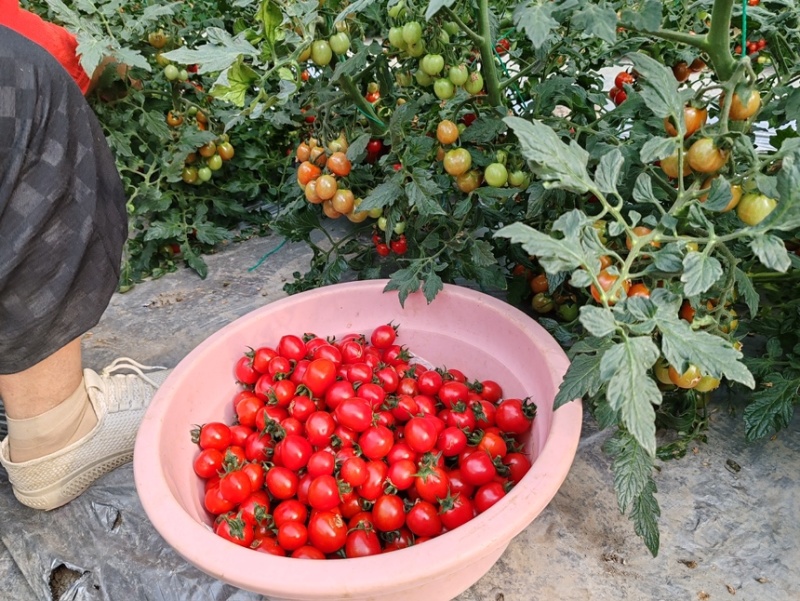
[(488, 66)]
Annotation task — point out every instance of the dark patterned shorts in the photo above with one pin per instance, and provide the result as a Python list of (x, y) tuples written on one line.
[(62, 208)]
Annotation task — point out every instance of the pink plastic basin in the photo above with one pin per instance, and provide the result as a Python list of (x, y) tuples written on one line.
[(461, 328)]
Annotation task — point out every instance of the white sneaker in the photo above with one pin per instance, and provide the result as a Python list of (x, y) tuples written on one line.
[(120, 401)]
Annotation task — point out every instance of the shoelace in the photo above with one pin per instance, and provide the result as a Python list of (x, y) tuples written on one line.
[(126, 363)]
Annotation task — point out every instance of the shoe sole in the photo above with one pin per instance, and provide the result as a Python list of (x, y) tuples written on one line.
[(69, 487)]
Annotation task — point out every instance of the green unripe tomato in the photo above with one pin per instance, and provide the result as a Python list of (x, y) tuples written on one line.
[(412, 32), (171, 72), (474, 83), (398, 10), (432, 64), (214, 162), (444, 88), (204, 174), (423, 78), (403, 79), (519, 179), (753, 208), (416, 49), (444, 37), (183, 75), (501, 156), (496, 175), (399, 227), (321, 53), (375, 213), (451, 27), (339, 43), (382, 223), (458, 74), (396, 38)]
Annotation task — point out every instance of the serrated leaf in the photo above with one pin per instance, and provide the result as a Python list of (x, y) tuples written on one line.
[(645, 17), (682, 346), (233, 84), (598, 321), (481, 254), (746, 289), (358, 148), (669, 259), (631, 465), (615, 228), (351, 65), (600, 21), (435, 6), (630, 388), (580, 279), (483, 130), (421, 192), (536, 22), (608, 171), (355, 7), (643, 189), (700, 272), (772, 407), (644, 514), (656, 149), (271, 17), (771, 251), (382, 195), (554, 255), (214, 57), (719, 195), (658, 87), (582, 379), (562, 165), (786, 215)]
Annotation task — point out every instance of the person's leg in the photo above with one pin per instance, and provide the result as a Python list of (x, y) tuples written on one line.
[(47, 405)]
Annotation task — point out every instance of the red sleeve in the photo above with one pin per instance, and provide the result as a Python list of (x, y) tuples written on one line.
[(55, 39)]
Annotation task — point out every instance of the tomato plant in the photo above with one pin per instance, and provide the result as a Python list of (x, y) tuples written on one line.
[(457, 119)]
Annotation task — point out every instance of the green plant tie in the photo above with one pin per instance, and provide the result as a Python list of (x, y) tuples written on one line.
[(744, 27), (370, 117), (269, 254)]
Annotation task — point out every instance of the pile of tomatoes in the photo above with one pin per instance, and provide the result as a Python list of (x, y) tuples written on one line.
[(347, 448)]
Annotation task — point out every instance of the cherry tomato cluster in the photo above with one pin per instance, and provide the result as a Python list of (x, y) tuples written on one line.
[(320, 175), (201, 165), (397, 245), (618, 94), (752, 47), (347, 447)]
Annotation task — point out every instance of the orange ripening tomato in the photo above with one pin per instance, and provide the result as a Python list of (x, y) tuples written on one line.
[(606, 281), (306, 172), (339, 164)]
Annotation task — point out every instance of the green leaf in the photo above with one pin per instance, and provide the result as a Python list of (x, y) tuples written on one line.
[(270, 16), (608, 171), (644, 514), (786, 215), (658, 87), (196, 262), (435, 6), (656, 149), (582, 379), (598, 321), (771, 251), (669, 259), (481, 254), (554, 255), (746, 289), (631, 389), (719, 195), (382, 195), (536, 22), (645, 17), (594, 20), (233, 84), (355, 7), (483, 130), (422, 192), (211, 57), (700, 272), (643, 189), (558, 164), (351, 65), (358, 148), (793, 105), (772, 407), (681, 345), (632, 467)]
